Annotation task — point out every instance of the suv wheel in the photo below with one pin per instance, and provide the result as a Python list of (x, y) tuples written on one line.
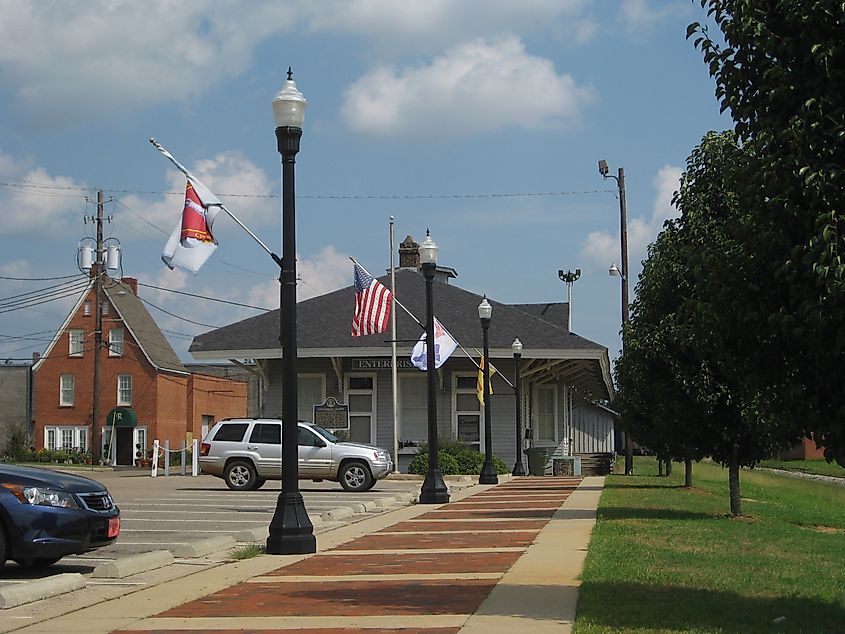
[(355, 476), (240, 475)]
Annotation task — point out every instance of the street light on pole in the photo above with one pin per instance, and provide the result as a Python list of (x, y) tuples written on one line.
[(433, 489), (516, 347), (488, 471), (291, 530), (570, 278), (623, 242)]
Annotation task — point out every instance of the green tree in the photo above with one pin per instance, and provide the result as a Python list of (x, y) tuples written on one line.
[(780, 72)]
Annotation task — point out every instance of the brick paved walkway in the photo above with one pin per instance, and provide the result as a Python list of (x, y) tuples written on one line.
[(428, 574)]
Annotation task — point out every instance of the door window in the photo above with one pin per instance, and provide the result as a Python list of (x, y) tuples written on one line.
[(266, 433), (361, 398), (466, 411), (546, 413)]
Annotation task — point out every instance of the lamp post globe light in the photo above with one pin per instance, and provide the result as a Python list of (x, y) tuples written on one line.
[(604, 170), (291, 531), (488, 471), (516, 347), (433, 489)]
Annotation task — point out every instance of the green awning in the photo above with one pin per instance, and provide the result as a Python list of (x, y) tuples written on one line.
[(121, 417)]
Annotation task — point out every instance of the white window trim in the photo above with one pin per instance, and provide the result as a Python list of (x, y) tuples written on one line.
[(121, 402), (347, 391), (79, 432), (313, 375), (474, 392), (535, 424), (112, 351), (140, 430), (409, 449), (70, 340), (62, 402)]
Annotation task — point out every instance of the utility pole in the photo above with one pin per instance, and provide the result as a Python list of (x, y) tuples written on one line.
[(97, 271)]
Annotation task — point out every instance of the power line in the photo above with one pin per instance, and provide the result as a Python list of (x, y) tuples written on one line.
[(190, 321), (38, 279), (210, 299)]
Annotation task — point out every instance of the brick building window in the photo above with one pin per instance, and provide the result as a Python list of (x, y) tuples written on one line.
[(60, 437), (50, 437), (86, 309), (76, 342), (66, 385), (124, 389), (116, 342)]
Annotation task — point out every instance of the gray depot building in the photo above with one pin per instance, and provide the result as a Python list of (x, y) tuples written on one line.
[(565, 378)]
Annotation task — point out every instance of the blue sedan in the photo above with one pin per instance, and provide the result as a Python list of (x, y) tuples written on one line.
[(45, 515)]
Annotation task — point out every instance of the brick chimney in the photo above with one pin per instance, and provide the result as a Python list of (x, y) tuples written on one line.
[(132, 283), (409, 254)]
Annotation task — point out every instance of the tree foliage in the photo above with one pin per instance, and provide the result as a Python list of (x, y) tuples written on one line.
[(780, 72), (682, 387)]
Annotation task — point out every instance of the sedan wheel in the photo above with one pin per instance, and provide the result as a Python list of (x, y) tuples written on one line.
[(240, 475), (356, 476)]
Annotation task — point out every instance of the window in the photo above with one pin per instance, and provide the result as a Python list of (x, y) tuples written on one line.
[(104, 308), (76, 342), (66, 438), (307, 438), (310, 391), (231, 432), (266, 433), (116, 342), (140, 442), (361, 398), (66, 384), (546, 414), (86, 309), (466, 410), (413, 413), (124, 389)]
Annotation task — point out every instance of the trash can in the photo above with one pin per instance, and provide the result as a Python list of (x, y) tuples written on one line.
[(537, 460)]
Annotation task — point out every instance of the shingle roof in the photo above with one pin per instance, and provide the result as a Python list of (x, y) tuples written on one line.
[(324, 324), (142, 326)]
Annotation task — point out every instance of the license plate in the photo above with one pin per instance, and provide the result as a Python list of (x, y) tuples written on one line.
[(114, 527)]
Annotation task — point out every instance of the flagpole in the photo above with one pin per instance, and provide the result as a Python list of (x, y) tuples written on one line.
[(411, 315), (394, 370), (190, 176)]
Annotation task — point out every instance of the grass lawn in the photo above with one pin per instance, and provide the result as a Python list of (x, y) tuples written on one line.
[(820, 467), (663, 558)]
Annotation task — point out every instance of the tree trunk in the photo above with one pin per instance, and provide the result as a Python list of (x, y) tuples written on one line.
[(668, 467), (659, 467), (688, 473), (733, 480)]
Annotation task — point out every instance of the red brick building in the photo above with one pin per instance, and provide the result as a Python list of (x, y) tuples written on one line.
[(146, 393)]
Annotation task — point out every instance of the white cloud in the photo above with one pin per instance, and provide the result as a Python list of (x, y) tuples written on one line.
[(228, 175), (470, 88), (602, 248), (640, 18), (34, 201)]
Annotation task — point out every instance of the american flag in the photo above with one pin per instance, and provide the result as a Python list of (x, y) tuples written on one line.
[(372, 304)]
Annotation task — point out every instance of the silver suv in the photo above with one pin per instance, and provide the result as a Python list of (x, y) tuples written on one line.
[(246, 452)]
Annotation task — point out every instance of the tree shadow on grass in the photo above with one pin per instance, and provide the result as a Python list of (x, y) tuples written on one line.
[(658, 607), (625, 513), (645, 486)]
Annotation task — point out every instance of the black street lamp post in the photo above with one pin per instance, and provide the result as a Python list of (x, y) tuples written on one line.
[(291, 530), (516, 347), (433, 489), (488, 471)]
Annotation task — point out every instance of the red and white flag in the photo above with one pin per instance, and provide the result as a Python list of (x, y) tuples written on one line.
[(191, 243), (373, 302)]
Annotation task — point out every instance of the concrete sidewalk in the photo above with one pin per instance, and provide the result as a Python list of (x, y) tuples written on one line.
[(495, 559)]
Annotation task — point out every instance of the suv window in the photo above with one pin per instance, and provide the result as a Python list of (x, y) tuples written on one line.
[(267, 433), (231, 432), (307, 438)]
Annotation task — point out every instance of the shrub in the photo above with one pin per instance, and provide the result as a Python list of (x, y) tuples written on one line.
[(456, 458), (17, 442)]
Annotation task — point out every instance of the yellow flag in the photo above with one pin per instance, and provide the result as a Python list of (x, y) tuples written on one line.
[(479, 385)]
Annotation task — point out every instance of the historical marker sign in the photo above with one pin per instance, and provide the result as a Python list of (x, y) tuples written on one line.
[(332, 415)]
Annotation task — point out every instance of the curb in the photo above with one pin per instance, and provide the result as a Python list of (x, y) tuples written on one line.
[(205, 547), (38, 589), (133, 564)]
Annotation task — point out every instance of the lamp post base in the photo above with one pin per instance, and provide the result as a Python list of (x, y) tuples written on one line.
[(291, 530), (434, 489), (519, 469), (488, 474)]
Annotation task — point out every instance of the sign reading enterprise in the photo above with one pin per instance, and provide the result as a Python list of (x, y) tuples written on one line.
[(377, 364)]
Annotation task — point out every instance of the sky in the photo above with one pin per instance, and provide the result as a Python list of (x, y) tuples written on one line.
[(481, 120)]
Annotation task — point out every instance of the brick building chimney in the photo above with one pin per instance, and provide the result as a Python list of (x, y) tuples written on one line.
[(409, 254)]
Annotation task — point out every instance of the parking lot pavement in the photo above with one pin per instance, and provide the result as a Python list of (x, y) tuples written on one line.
[(176, 513)]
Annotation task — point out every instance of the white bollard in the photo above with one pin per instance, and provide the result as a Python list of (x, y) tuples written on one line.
[(195, 457), (154, 468)]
